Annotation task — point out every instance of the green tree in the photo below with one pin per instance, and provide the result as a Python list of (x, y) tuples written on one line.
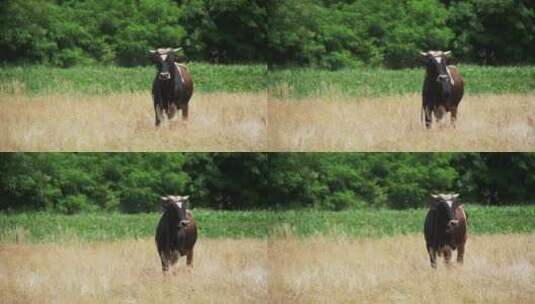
[(494, 31)]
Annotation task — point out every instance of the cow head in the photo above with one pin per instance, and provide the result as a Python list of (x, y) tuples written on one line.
[(176, 206), (165, 60), (444, 205), (437, 67)]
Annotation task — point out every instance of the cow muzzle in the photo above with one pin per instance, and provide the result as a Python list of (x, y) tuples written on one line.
[(452, 224), (165, 76), (442, 78), (183, 223)]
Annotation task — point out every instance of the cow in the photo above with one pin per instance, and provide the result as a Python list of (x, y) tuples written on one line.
[(176, 233), (172, 87), (443, 87), (445, 228)]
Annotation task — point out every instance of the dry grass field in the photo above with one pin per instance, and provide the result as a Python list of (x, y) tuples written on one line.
[(485, 123), (125, 122), (497, 269), (248, 122), (225, 271)]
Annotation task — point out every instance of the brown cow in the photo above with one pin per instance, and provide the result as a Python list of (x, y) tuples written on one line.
[(443, 87), (172, 87), (445, 228), (176, 233)]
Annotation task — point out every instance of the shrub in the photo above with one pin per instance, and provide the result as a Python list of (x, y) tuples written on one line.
[(72, 204)]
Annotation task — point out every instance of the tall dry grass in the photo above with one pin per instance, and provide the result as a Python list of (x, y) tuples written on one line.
[(225, 271), (125, 122), (249, 122), (497, 269), (485, 123)]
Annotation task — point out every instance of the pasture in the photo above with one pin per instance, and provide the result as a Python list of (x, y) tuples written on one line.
[(492, 123), (42, 227), (307, 256), (125, 122), (247, 108)]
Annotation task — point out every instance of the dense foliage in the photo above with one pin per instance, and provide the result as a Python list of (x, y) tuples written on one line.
[(324, 33), (49, 227), (132, 182)]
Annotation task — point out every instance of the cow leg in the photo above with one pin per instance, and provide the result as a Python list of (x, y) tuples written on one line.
[(158, 113), (447, 255), (172, 111), (165, 262), (432, 257), (174, 260), (460, 254), (184, 108), (189, 260), (428, 117), (453, 116), (439, 113)]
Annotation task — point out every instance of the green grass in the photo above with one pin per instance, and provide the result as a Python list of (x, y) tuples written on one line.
[(376, 82), (101, 80), (47, 227), (293, 83)]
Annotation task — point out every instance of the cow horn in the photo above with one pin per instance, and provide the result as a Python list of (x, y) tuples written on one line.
[(177, 49), (186, 197), (455, 195), (447, 53), (435, 196), (153, 51), (424, 54)]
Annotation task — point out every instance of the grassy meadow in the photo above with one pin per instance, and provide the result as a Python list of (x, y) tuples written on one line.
[(44, 227), (303, 83), (125, 122), (307, 256), (497, 268), (105, 80), (380, 110), (247, 108), (485, 123), (129, 271)]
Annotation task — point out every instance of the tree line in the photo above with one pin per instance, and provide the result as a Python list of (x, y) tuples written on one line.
[(132, 182), (320, 33)]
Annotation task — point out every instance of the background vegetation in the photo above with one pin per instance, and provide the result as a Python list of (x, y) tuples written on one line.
[(323, 33), (49, 227), (103, 80), (132, 182), (251, 78), (376, 82)]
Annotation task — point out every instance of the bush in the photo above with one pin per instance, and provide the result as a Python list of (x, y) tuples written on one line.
[(494, 31), (342, 200), (139, 200), (71, 182), (73, 204)]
